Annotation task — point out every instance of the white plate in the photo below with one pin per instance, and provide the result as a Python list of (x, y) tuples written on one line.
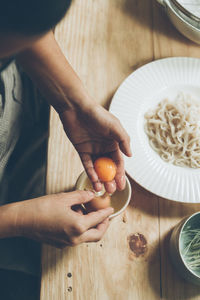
[(142, 90)]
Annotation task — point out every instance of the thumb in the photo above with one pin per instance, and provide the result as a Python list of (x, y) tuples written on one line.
[(79, 197), (123, 139)]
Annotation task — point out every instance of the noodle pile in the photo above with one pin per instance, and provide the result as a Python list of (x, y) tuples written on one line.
[(173, 129)]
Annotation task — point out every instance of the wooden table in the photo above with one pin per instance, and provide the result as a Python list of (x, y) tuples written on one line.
[(106, 40)]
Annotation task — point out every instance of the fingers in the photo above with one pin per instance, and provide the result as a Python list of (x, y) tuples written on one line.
[(97, 186), (94, 218), (120, 175), (95, 234), (110, 186), (90, 227), (120, 181), (79, 197), (122, 137), (89, 167), (79, 209), (88, 164), (125, 147)]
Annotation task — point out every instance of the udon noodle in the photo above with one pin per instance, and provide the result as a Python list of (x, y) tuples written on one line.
[(173, 128)]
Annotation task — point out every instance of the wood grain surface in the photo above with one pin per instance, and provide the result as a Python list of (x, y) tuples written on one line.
[(106, 40)]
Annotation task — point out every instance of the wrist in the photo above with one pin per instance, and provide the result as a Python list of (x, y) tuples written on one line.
[(81, 103), (77, 99), (8, 224)]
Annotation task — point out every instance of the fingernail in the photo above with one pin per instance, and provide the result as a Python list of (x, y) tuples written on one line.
[(121, 183), (112, 184), (123, 179), (111, 187), (130, 153), (98, 186)]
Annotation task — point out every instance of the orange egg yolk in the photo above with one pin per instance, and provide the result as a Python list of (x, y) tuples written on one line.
[(105, 168)]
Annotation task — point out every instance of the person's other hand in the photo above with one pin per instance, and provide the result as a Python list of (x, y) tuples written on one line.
[(96, 132), (53, 220)]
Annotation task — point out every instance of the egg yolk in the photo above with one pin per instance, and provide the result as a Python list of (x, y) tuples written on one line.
[(105, 168)]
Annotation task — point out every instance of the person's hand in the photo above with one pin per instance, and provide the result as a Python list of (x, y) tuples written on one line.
[(96, 132), (53, 220)]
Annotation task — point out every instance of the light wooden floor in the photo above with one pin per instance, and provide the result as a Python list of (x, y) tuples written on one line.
[(106, 40)]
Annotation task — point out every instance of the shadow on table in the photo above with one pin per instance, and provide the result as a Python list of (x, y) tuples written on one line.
[(148, 203), (151, 14), (172, 286), (51, 257)]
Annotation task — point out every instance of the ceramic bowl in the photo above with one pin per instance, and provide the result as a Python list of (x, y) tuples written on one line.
[(177, 246), (119, 200), (184, 26)]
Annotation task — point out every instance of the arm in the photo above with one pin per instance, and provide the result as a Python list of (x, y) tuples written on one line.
[(52, 73), (52, 219), (92, 130), (8, 217)]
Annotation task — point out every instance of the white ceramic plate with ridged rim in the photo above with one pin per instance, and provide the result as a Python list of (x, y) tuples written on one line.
[(140, 91)]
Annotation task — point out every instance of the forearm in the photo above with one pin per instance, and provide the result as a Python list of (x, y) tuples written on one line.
[(8, 220), (49, 69)]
